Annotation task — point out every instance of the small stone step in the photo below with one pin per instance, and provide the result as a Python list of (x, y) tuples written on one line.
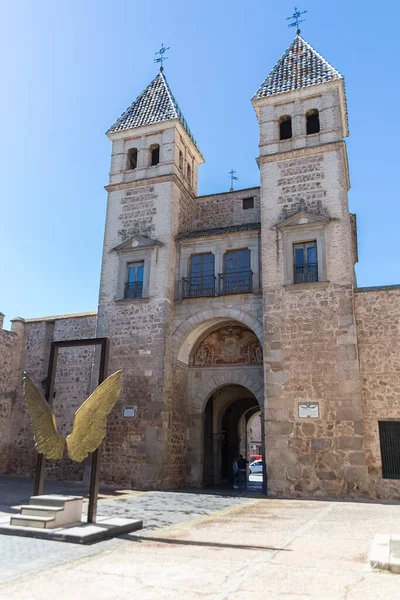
[(40, 511), (32, 521), (51, 500)]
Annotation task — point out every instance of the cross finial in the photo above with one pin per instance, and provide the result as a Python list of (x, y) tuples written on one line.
[(296, 19), (233, 178), (161, 58)]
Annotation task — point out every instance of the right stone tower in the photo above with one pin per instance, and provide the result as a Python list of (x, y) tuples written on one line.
[(313, 416)]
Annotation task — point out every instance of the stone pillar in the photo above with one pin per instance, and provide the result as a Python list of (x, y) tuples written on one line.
[(196, 443)]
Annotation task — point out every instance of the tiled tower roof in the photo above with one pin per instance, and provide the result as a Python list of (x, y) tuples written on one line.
[(154, 105), (300, 66)]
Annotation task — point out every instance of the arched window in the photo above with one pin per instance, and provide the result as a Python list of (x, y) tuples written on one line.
[(155, 155), (285, 127), (180, 160), (312, 117), (132, 158), (189, 174)]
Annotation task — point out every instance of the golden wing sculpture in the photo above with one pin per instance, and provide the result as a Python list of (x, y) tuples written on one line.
[(89, 428)]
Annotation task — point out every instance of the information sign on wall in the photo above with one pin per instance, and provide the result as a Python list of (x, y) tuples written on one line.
[(309, 409)]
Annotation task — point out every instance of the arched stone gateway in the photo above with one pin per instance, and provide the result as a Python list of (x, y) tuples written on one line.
[(224, 437), (224, 363)]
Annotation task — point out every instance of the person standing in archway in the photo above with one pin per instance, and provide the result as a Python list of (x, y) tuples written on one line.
[(242, 465), (235, 470)]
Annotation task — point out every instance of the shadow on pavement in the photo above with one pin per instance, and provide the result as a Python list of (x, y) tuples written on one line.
[(140, 538)]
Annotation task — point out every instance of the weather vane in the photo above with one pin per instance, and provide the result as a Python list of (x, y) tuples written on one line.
[(161, 59), (296, 19), (233, 178)]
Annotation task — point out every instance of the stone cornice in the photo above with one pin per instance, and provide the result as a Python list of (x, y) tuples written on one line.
[(300, 152), (115, 187), (311, 151)]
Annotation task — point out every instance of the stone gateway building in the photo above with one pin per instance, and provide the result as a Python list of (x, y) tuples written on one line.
[(222, 307)]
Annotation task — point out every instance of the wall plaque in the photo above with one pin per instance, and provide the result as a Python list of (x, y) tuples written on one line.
[(129, 412), (309, 409)]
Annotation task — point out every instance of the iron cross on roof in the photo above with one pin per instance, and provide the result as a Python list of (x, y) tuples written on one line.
[(161, 58), (233, 178), (296, 19)]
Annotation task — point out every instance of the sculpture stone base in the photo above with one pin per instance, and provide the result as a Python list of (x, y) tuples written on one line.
[(82, 533)]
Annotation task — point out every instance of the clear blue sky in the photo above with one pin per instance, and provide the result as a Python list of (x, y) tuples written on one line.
[(69, 68)]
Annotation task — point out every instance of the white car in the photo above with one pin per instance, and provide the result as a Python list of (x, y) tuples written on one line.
[(255, 467)]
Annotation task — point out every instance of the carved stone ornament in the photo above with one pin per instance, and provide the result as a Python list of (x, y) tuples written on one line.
[(230, 344)]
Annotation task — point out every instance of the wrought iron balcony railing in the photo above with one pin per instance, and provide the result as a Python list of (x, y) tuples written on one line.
[(235, 283), (198, 286), (134, 290), (307, 273)]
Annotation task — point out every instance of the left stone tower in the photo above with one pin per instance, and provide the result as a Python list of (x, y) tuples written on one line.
[(152, 185)]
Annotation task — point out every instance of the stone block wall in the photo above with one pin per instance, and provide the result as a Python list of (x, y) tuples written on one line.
[(221, 210), (134, 448), (378, 330), (312, 357)]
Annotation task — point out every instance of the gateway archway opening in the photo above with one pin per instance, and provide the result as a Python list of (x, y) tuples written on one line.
[(230, 429)]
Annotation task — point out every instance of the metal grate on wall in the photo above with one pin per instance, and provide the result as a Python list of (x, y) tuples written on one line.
[(389, 436)]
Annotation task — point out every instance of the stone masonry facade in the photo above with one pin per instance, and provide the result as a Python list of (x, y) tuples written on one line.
[(224, 308)]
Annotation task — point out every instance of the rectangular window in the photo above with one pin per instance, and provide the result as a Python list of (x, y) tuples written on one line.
[(389, 436), (248, 203), (155, 156), (132, 158), (305, 262), (237, 277), (202, 277), (134, 282)]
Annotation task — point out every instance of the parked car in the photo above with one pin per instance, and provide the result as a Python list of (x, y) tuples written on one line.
[(255, 467)]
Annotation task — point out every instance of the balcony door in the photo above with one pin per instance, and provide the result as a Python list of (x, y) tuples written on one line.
[(305, 262), (237, 276), (134, 284), (202, 275)]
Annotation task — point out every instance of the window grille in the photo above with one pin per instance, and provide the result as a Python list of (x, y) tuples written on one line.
[(389, 437)]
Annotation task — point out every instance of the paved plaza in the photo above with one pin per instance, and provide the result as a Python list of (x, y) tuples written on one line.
[(217, 546)]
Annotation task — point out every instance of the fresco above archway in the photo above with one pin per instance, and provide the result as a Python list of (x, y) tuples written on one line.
[(230, 344)]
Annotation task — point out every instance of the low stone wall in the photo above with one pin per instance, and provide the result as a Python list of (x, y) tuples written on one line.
[(10, 350), (378, 330), (73, 380)]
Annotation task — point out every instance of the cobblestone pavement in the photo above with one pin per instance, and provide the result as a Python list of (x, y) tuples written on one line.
[(157, 509)]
